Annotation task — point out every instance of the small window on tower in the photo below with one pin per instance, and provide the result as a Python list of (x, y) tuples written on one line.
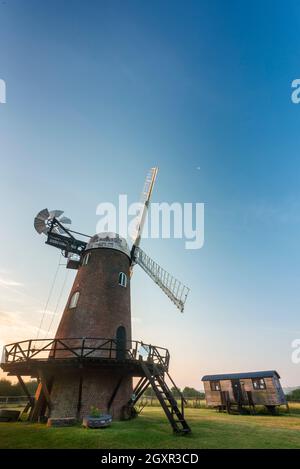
[(74, 300), (122, 279), (86, 258)]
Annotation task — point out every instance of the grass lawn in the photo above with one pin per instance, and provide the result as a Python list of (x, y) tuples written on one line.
[(151, 430)]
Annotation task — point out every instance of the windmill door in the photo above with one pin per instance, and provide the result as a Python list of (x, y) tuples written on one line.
[(121, 343), (237, 390)]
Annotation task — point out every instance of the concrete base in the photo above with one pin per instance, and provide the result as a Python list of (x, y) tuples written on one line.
[(64, 422)]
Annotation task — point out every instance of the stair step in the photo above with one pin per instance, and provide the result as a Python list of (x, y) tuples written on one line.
[(166, 399)]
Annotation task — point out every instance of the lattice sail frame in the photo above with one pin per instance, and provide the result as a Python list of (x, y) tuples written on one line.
[(173, 288), (144, 204)]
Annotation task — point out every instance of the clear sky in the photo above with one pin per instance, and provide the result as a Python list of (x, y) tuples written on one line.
[(98, 92)]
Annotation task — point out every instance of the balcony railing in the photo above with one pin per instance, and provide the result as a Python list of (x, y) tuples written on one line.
[(84, 348)]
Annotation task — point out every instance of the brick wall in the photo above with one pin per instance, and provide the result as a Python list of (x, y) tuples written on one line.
[(97, 389), (103, 304), (102, 307)]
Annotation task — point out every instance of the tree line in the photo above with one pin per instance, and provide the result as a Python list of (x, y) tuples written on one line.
[(187, 392), (7, 388), (294, 395)]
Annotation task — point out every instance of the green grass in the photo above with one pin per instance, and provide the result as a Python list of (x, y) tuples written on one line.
[(151, 430)]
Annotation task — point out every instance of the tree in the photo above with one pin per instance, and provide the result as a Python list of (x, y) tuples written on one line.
[(7, 388), (193, 393), (294, 395), (149, 392), (175, 392)]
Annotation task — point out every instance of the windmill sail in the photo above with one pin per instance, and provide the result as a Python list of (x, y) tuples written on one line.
[(173, 288), (144, 202)]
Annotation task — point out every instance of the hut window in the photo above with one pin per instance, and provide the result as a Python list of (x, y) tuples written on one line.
[(74, 300), (215, 386), (123, 279), (86, 258), (258, 383)]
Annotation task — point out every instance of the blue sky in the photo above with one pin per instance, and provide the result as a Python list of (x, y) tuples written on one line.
[(98, 92)]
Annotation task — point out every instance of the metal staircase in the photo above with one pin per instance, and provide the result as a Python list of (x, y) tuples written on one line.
[(156, 378)]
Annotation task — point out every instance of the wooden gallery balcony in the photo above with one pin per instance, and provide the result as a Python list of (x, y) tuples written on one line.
[(29, 357)]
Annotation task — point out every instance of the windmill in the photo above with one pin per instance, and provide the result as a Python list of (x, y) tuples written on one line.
[(92, 359), (52, 224)]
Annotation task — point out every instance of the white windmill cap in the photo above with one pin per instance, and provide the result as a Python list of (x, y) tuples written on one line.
[(108, 240)]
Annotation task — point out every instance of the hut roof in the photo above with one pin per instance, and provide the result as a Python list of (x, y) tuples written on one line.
[(253, 374)]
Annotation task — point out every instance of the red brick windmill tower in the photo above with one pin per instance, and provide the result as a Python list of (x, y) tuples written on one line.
[(92, 359)]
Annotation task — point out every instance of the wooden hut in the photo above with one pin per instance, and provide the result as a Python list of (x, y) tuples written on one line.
[(240, 390)]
